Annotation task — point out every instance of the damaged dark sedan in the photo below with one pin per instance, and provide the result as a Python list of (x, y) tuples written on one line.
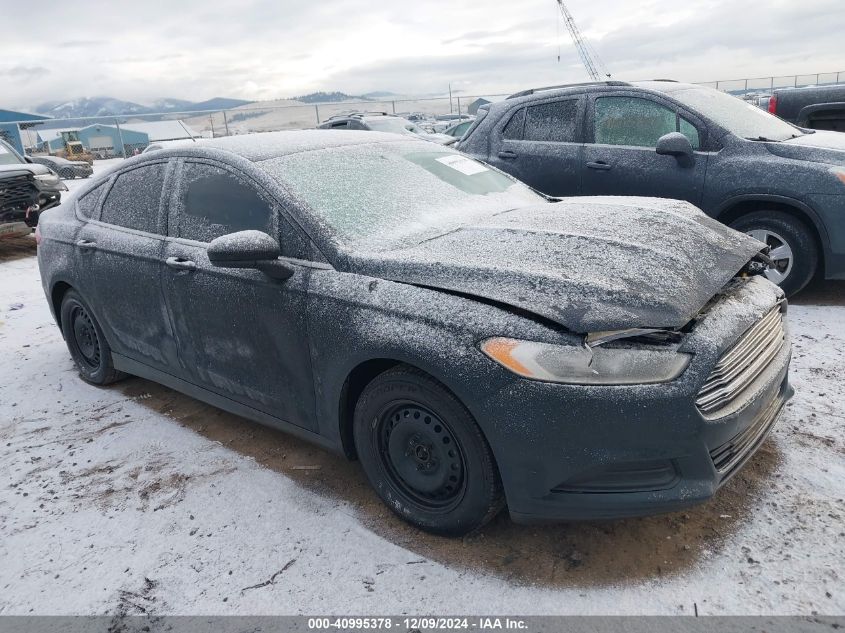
[(474, 344)]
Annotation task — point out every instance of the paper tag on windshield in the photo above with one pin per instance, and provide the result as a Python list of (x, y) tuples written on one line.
[(463, 164)]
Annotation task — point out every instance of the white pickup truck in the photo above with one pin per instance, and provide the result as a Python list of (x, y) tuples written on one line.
[(26, 189)]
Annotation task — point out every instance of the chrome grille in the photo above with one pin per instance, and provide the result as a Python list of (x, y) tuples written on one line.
[(743, 362), (731, 454)]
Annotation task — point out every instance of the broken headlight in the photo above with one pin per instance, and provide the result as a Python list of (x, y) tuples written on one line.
[(586, 365)]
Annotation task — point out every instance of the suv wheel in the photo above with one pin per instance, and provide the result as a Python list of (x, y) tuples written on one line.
[(85, 341), (793, 247), (424, 454)]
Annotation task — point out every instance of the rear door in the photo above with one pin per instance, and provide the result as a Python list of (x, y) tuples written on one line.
[(540, 144), (240, 333), (619, 156), (119, 257)]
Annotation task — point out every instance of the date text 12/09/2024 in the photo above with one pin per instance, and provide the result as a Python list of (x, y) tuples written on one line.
[(417, 623)]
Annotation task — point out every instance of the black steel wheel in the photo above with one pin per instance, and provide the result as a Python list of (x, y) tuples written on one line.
[(421, 454), (424, 454), (85, 341)]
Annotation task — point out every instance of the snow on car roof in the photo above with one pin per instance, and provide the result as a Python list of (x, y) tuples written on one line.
[(257, 147)]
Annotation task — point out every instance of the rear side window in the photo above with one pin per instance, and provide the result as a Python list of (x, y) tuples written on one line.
[(638, 122), (551, 122), (134, 200), (87, 204), (513, 130), (216, 202)]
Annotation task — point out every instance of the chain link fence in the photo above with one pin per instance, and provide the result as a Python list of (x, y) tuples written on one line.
[(126, 135)]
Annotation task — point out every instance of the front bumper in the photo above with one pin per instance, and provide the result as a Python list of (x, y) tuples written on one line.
[(621, 451)]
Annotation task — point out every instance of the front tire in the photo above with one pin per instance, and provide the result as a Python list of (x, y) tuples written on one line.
[(85, 342), (793, 247), (424, 454)]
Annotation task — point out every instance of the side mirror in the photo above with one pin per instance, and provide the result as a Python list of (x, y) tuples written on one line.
[(677, 145), (248, 249), (28, 159)]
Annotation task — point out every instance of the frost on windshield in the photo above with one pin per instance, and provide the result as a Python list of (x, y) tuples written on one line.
[(376, 195), (739, 117)]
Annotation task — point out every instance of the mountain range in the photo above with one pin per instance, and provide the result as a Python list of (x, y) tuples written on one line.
[(110, 106)]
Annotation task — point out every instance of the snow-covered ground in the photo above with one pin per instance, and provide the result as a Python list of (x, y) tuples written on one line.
[(134, 498)]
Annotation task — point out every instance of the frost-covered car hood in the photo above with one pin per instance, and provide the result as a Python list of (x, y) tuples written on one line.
[(589, 264), (821, 147)]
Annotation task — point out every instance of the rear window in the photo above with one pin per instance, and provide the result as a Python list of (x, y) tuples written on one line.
[(87, 204), (134, 200), (551, 122)]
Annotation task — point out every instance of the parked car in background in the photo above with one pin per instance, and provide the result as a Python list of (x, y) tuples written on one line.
[(761, 175), (458, 129), (381, 122), (66, 169), (816, 107), (26, 189), (157, 145), (471, 342)]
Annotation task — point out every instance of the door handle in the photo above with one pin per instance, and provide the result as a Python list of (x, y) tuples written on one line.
[(599, 165), (180, 263), (507, 154), (86, 245)]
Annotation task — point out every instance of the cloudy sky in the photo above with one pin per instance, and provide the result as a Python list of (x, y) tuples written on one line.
[(265, 49)]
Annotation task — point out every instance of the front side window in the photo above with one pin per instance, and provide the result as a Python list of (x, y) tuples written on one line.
[(134, 200), (637, 122), (215, 202)]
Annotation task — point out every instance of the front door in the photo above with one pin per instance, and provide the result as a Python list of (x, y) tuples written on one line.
[(541, 146), (621, 160), (240, 333)]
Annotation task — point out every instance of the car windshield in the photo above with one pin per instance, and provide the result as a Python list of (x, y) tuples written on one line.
[(7, 156), (378, 196), (738, 117), (394, 124)]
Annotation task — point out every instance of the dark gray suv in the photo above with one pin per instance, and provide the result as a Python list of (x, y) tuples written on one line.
[(782, 184)]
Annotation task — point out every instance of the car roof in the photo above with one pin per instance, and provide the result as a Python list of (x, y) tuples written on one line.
[(267, 145), (666, 86)]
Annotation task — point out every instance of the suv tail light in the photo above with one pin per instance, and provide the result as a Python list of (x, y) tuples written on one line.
[(773, 104)]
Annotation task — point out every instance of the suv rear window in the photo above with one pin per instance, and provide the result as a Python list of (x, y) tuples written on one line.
[(134, 200), (551, 122), (554, 122)]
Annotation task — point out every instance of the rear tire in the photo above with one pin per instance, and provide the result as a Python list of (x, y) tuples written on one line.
[(793, 244), (85, 342), (424, 454)]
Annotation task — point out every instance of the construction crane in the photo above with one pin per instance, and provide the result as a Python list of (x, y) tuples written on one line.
[(589, 57)]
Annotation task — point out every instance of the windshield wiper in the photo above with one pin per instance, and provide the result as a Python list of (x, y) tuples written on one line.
[(762, 138)]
